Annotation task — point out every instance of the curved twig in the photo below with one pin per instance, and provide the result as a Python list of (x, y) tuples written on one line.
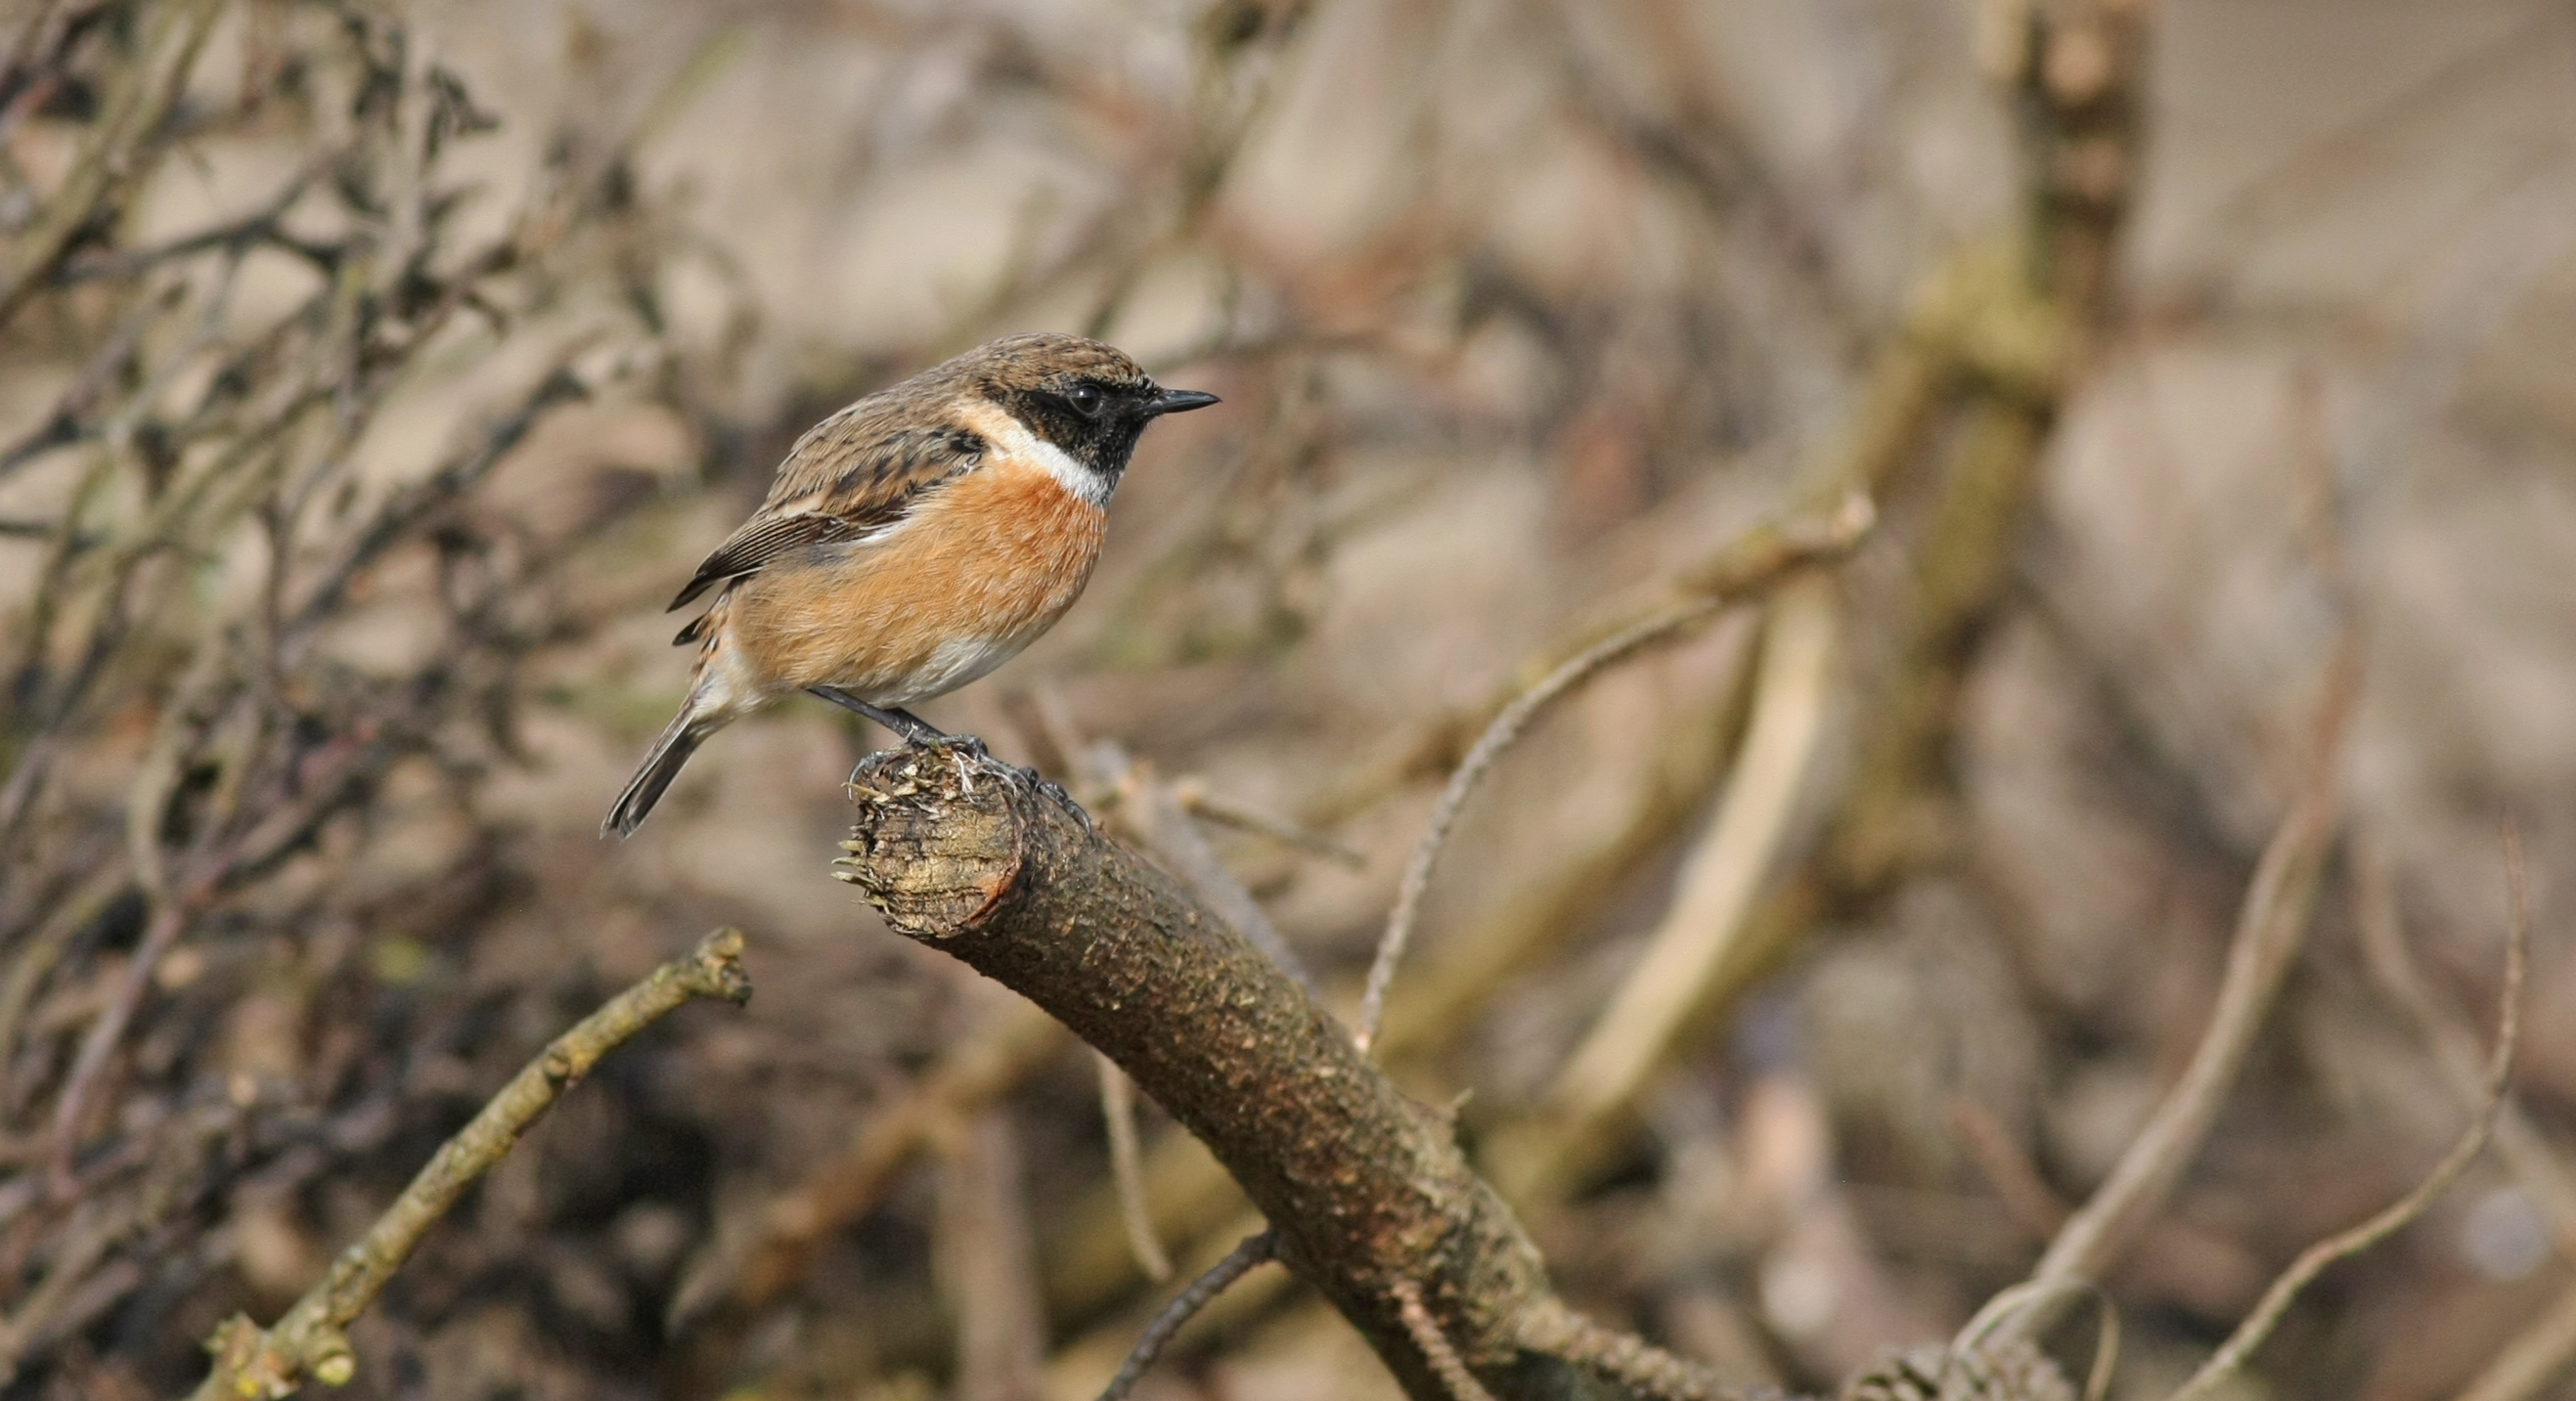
[(312, 1339), (2270, 927), (1553, 1327), (2397, 1215), (1445, 1362), (1255, 1249), (1760, 561), (1629, 1037)]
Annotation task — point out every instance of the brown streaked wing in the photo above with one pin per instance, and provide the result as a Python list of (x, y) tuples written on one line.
[(760, 540), (846, 482)]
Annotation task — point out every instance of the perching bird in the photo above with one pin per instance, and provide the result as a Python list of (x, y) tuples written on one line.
[(913, 542)]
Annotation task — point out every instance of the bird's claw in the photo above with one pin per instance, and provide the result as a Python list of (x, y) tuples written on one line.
[(1055, 792)]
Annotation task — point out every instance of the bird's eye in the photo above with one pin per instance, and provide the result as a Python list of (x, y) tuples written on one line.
[(1084, 398)]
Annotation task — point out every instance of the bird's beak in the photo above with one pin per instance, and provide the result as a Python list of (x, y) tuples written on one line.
[(1180, 401)]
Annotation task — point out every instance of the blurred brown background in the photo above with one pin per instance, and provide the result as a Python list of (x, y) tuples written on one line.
[(1518, 309)]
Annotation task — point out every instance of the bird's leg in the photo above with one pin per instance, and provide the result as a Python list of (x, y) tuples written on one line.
[(908, 727), (914, 731)]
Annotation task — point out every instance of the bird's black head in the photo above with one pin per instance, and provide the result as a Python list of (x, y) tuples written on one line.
[(1086, 398)]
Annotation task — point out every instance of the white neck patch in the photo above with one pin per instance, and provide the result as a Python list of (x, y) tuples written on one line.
[(1014, 439)]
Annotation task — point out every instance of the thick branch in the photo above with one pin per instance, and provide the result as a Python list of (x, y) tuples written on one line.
[(1369, 1195)]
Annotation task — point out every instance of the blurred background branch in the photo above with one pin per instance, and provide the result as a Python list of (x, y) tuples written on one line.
[(312, 1339)]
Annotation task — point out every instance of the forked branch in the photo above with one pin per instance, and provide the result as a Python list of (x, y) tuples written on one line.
[(2397, 1215)]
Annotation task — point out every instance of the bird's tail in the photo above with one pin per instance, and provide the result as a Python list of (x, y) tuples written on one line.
[(679, 740)]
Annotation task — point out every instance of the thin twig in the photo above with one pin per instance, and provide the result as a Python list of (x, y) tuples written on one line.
[(1238, 1262), (1127, 1167), (2535, 1165), (1718, 882), (213, 866), (36, 955), (2269, 930), (120, 153), (2007, 1169), (312, 1339), (160, 934), (1195, 797), (2397, 1215), (1445, 1362), (114, 355), (983, 1261), (1800, 546), (1489, 746), (1554, 1328), (1985, 1332)]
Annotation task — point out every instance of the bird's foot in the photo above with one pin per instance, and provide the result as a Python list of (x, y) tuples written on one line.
[(969, 750)]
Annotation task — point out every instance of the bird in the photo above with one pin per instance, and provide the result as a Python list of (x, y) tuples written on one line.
[(912, 542)]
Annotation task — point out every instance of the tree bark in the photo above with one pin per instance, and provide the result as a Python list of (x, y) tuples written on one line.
[(1367, 1190)]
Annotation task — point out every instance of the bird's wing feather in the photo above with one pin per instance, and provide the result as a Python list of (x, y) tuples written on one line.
[(849, 476), (760, 540)]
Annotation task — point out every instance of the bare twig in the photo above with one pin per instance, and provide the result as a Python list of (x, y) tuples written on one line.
[(1257, 1248), (2269, 930), (2008, 1170), (160, 933), (1985, 1334), (1681, 761), (118, 151), (37, 952), (1127, 1166), (201, 428), (2396, 1216), (1436, 1350), (981, 1257), (1722, 874), (217, 859), (2536, 1166), (1625, 1358), (1499, 736), (1769, 558), (1195, 796), (312, 1339)]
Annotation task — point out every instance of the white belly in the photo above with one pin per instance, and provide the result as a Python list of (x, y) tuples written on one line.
[(950, 665)]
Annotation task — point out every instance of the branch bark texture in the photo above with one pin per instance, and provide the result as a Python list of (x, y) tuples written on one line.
[(1372, 1201)]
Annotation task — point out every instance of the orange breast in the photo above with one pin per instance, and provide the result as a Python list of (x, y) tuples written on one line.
[(982, 568)]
